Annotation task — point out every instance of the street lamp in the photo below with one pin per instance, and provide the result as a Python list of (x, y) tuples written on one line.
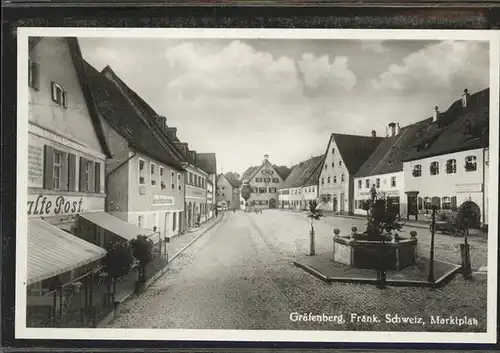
[(430, 278)]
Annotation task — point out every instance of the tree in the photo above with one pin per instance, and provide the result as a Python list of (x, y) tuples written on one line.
[(117, 261), (142, 250), (315, 214), (246, 191)]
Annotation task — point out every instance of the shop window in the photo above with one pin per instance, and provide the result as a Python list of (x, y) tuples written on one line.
[(59, 95), (446, 203), (451, 166), (33, 74), (152, 168), (142, 172), (470, 163), (86, 175), (377, 183), (417, 171), (434, 168), (393, 181)]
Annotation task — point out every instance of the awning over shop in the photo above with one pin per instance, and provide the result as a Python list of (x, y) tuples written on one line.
[(116, 225), (52, 251)]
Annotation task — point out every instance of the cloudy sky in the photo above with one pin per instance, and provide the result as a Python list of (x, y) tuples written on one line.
[(245, 98)]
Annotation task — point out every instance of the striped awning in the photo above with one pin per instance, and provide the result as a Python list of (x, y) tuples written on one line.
[(115, 225), (52, 251)]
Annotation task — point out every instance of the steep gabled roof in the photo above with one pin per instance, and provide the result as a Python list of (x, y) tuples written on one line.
[(122, 117), (235, 183), (148, 112), (207, 162), (248, 174), (389, 155), (314, 177), (283, 170), (355, 149), (78, 62), (302, 172), (458, 129)]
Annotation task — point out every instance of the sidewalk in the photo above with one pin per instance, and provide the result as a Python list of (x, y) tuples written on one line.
[(176, 247)]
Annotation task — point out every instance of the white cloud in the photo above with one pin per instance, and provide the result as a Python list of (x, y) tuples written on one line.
[(438, 66), (322, 72), (373, 46)]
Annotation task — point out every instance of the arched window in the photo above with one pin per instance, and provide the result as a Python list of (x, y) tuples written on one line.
[(417, 170), (434, 169), (470, 163), (451, 166)]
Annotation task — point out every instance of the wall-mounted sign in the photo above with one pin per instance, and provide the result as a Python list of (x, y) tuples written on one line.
[(192, 192), (54, 205), (35, 165), (473, 187), (162, 200)]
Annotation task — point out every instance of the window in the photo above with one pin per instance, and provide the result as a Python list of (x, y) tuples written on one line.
[(393, 182), (417, 170), (57, 171), (258, 180), (140, 220), (326, 166), (178, 181), (97, 177), (322, 181), (254, 190), (342, 178), (152, 167), (333, 150), (446, 203), (329, 180), (190, 180), (451, 166), (59, 95), (427, 203), (276, 180), (470, 163), (340, 163), (434, 168), (262, 190), (272, 190), (86, 174), (377, 183), (174, 221), (335, 179), (142, 172), (267, 180), (333, 164), (33, 75), (367, 183)]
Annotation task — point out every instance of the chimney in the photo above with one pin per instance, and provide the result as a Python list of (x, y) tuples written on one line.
[(436, 114), (266, 158), (192, 157), (161, 122), (171, 133), (392, 126), (465, 98), (398, 129), (183, 147), (374, 133)]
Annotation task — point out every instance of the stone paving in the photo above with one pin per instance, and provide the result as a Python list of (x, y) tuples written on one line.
[(240, 275)]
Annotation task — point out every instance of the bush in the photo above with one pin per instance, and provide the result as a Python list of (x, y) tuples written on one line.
[(117, 261), (142, 250)]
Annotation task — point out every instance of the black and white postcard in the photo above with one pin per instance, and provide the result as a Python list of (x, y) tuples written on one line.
[(257, 185)]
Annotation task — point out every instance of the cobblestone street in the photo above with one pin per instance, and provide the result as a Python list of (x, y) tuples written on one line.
[(239, 275)]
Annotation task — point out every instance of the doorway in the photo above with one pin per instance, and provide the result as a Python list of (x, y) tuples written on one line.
[(166, 225), (342, 202)]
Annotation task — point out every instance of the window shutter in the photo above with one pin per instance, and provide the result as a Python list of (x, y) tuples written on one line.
[(454, 203), (71, 172), (82, 174), (91, 176), (64, 99), (64, 172), (53, 90), (97, 177), (48, 167), (420, 203)]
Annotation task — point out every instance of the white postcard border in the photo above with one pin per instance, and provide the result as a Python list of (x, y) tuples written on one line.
[(22, 332)]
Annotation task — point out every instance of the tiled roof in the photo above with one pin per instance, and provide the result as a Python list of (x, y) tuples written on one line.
[(118, 112), (79, 63), (148, 112), (301, 173), (235, 183), (458, 129), (355, 149), (207, 162), (389, 154), (247, 174), (283, 170), (314, 177)]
